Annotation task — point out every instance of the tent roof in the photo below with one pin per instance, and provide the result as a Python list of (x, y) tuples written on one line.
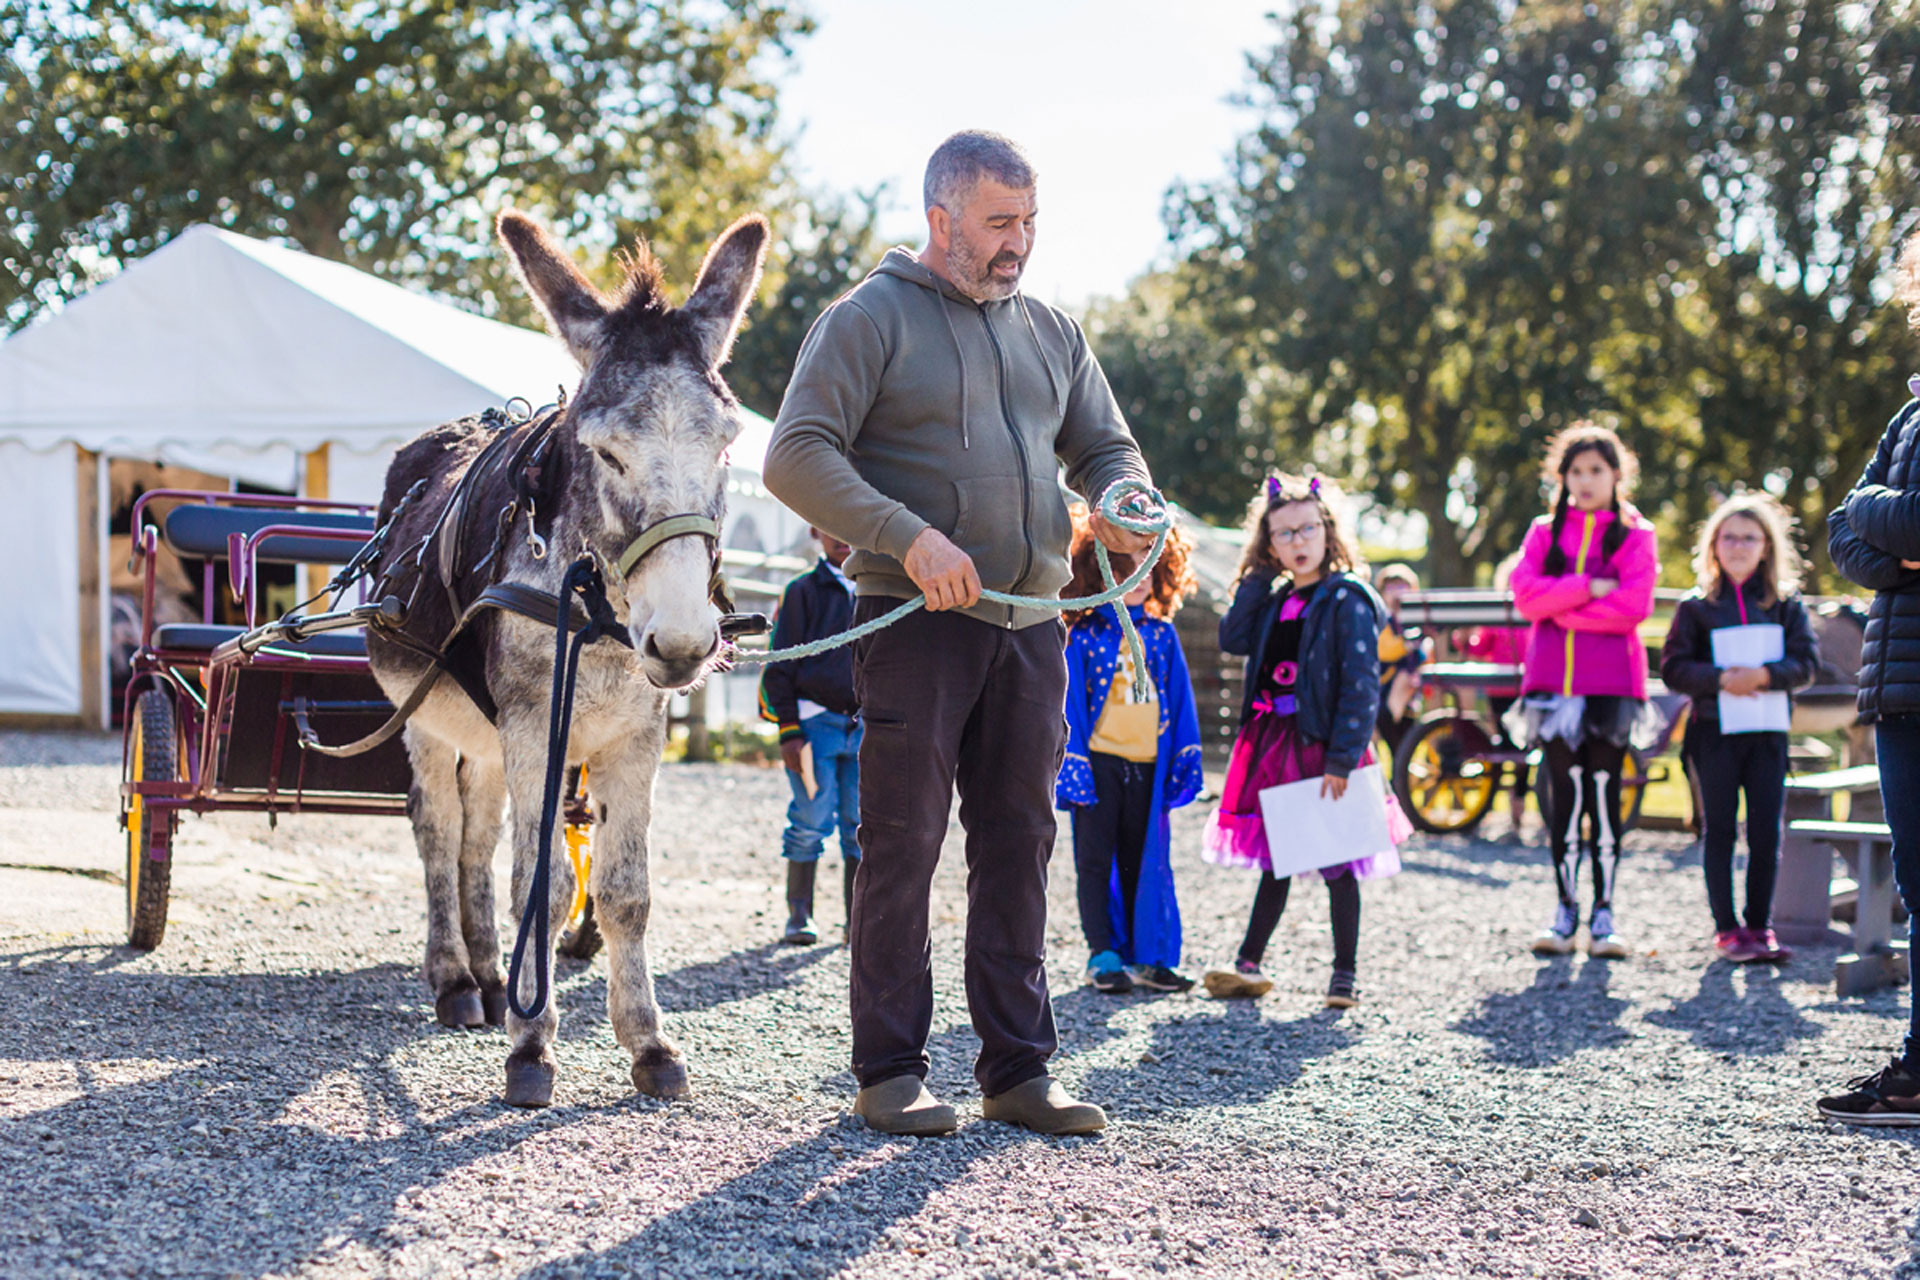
[(218, 339)]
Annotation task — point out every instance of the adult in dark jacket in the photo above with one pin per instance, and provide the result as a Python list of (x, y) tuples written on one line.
[(1874, 539), (812, 701), (1748, 574)]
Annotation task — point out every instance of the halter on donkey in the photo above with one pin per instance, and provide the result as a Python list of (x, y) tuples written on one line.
[(626, 485)]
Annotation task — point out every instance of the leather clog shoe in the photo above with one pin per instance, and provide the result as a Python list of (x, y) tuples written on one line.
[(902, 1106), (1044, 1106)]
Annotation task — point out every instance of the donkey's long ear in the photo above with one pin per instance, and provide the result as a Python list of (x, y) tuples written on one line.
[(727, 280), (575, 309)]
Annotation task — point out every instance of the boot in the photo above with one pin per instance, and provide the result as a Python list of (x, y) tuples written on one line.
[(800, 931), (848, 867)]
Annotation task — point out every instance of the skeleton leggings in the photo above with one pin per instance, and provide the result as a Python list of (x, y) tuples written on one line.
[(1584, 779)]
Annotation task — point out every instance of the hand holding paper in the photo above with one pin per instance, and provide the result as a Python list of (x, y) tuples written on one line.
[(1737, 649)]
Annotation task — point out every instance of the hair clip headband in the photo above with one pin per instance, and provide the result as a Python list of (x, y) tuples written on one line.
[(1313, 486), (1273, 487)]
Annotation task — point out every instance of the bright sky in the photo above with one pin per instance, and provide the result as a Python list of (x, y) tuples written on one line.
[(1113, 99)]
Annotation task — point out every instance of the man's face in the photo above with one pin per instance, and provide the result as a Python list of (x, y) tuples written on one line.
[(835, 550), (989, 240)]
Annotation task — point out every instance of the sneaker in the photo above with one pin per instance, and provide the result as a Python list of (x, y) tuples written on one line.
[(1157, 977), (1602, 942), (1106, 973), (1341, 993), (1736, 945), (1557, 938), (1243, 981), (1889, 1098), (1767, 946)]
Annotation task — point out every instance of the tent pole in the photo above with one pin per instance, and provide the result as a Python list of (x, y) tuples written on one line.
[(89, 472), (316, 486)]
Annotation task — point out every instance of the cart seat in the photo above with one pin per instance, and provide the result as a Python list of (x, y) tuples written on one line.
[(202, 637), (197, 530)]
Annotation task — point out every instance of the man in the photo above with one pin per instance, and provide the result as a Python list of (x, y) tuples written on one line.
[(927, 417), (812, 701)]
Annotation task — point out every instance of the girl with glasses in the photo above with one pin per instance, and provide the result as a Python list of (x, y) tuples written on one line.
[(1310, 631), (1585, 581), (1748, 575)]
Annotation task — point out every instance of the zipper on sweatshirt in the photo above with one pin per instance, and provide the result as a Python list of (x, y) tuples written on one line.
[(1579, 566), (1019, 447)]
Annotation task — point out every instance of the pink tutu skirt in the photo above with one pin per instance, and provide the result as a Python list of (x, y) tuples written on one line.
[(1269, 751)]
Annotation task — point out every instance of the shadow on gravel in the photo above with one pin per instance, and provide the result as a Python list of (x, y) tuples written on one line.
[(179, 1129), (1224, 1053), (1567, 1009), (757, 971), (1747, 1017), (763, 1223)]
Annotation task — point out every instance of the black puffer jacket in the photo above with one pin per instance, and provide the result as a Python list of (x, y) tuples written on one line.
[(1868, 536)]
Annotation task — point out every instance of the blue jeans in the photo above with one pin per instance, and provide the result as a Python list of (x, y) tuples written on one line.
[(834, 742), (1897, 741)]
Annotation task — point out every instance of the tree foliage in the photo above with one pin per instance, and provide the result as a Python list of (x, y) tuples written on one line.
[(1461, 224), (387, 137)]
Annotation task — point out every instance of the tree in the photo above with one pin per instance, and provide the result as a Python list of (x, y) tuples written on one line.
[(384, 137), (823, 247), (1429, 239), (1186, 394)]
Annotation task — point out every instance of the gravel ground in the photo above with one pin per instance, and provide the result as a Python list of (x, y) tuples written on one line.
[(268, 1095)]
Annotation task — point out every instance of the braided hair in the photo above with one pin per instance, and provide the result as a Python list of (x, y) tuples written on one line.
[(1567, 445)]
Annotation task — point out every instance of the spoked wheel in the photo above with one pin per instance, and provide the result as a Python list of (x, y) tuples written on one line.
[(1441, 776), (581, 941), (153, 755)]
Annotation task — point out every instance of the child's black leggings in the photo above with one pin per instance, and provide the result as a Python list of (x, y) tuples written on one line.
[(1585, 783), (1726, 765), (1107, 834), (1270, 901)]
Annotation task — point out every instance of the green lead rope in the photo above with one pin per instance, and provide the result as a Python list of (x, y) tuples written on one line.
[(1128, 504)]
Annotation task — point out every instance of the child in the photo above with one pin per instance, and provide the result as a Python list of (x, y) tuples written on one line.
[(1127, 764), (812, 701), (1748, 573), (1585, 580), (1400, 661), (1312, 691)]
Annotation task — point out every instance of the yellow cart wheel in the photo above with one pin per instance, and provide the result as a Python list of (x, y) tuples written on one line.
[(581, 941), (1441, 776), (153, 755)]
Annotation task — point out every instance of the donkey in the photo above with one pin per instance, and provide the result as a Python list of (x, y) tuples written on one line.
[(642, 439)]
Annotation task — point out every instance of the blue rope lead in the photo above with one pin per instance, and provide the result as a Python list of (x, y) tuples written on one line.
[(1128, 504)]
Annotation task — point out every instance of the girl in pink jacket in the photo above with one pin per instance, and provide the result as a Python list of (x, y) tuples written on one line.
[(1585, 580)]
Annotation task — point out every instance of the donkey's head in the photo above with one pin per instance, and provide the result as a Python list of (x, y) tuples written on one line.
[(651, 420)]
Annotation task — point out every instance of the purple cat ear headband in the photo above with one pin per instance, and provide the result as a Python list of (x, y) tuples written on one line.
[(1313, 486)]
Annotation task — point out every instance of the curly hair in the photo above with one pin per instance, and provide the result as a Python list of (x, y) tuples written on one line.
[(1568, 444), (1281, 490), (1781, 567), (1172, 581)]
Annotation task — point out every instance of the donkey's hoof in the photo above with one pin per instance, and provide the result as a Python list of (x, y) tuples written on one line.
[(460, 1009), (494, 1000), (529, 1081), (661, 1077)]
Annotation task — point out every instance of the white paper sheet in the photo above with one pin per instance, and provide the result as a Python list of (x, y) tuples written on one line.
[(1751, 646), (1306, 831)]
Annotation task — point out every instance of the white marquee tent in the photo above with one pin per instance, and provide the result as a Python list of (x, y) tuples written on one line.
[(247, 360)]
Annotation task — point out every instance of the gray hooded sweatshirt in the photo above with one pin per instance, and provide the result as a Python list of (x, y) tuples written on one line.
[(913, 405)]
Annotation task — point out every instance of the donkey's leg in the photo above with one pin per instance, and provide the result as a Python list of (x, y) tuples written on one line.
[(433, 804), (530, 1065), (623, 896), (483, 802)]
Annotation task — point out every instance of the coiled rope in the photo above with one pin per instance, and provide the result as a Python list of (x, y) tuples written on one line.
[(1132, 505)]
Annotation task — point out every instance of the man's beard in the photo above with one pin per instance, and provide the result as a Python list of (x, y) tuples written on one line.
[(975, 278)]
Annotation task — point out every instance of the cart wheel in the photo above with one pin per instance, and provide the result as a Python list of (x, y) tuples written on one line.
[(581, 941), (1440, 774), (1633, 789), (153, 755)]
